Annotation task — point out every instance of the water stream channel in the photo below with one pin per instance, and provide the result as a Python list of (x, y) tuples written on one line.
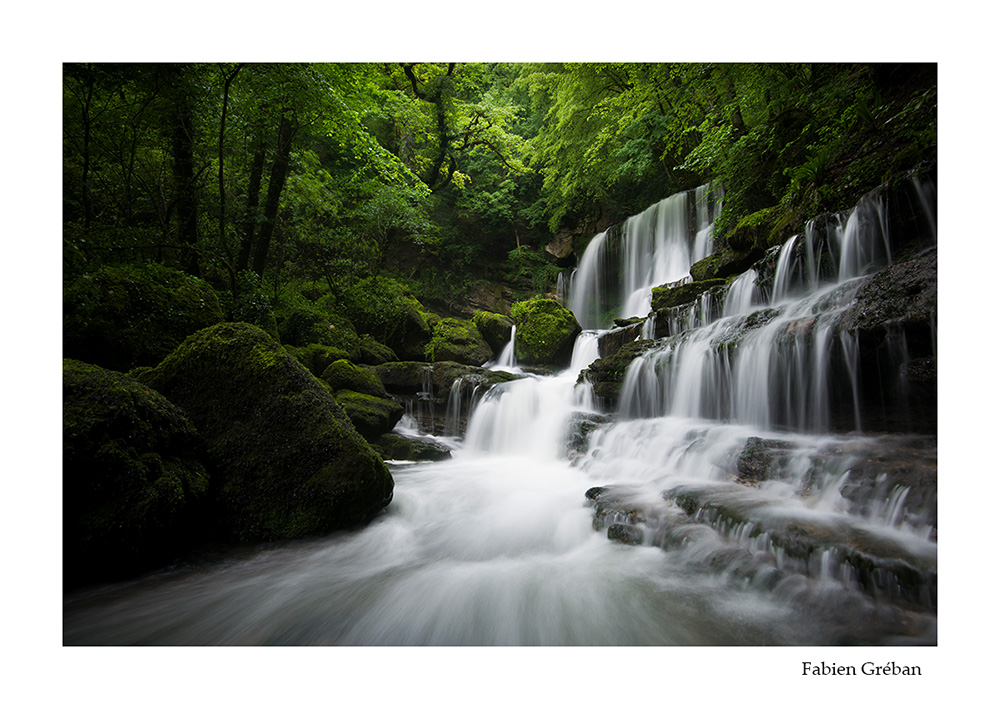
[(732, 497)]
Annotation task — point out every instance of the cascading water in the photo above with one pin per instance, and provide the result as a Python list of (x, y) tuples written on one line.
[(619, 267), (723, 502)]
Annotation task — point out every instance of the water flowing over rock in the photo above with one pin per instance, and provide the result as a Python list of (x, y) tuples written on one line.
[(752, 464)]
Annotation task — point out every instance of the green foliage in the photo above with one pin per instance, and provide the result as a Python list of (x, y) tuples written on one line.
[(124, 316), (530, 269), (250, 304)]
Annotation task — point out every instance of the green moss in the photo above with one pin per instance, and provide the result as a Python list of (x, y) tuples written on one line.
[(673, 296), (133, 482), (753, 230), (457, 340), (120, 317), (724, 263), (285, 452), (315, 357), (546, 332), (495, 329), (371, 415), (344, 375), (303, 325), (373, 352)]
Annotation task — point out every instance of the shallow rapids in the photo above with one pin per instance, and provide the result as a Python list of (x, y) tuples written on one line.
[(496, 550)]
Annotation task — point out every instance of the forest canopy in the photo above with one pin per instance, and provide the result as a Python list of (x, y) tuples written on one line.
[(372, 182)]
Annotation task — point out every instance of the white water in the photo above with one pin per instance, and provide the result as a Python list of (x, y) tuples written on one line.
[(498, 546), (655, 247)]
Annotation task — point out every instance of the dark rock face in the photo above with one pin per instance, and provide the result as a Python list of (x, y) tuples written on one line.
[(607, 373), (724, 263), (397, 447), (581, 425), (894, 318), (287, 462), (610, 342), (123, 317), (133, 482), (756, 462), (423, 389)]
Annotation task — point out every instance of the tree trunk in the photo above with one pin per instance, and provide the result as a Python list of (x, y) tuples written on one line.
[(184, 178), (222, 177), (279, 171), (253, 200)]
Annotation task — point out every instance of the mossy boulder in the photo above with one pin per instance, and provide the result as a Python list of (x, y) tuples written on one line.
[(121, 317), (546, 332), (495, 329), (396, 447), (411, 331), (371, 415), (404, 377), (346, 375), (724, 263), (315, 357), (459, 341), (670, 297), (302, 326), (133, 482), (373, 352), (288, 462)]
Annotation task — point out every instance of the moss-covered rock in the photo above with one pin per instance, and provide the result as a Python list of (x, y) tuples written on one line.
[(411, 332), (121, 317), (753, 230), (133, 483), (396, 447), (345, 375), (301, 326), (459, 341), (315, 357), (724, 263), (373, 352), (670, 297), (404, 377), (495, 329), (371, 415), (546, 332), (287, 460)]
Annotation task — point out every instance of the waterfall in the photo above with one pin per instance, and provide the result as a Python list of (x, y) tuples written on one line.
[(730, 495), (621, 265), (507, 360)]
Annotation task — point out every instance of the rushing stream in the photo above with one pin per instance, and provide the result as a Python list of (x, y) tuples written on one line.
[(636, 533)]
